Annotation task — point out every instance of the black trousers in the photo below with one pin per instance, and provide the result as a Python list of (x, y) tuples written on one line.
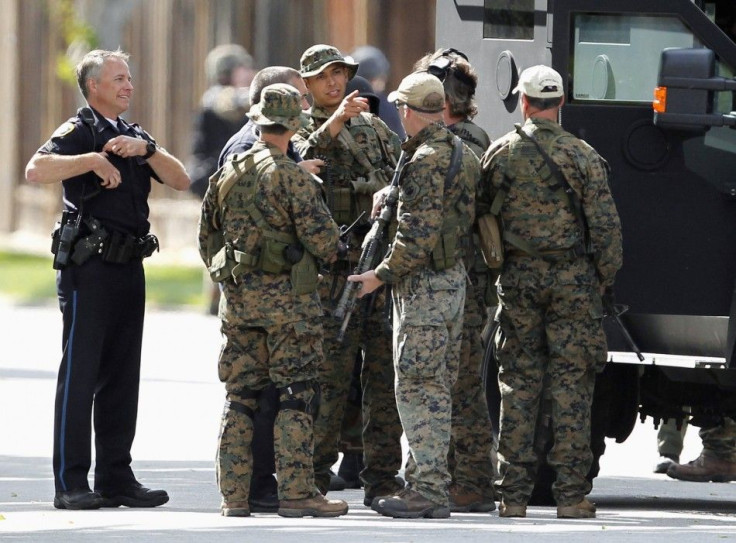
[(103, 307), (263, 483)]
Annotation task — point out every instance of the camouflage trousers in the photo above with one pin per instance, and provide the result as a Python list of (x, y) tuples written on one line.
[(471, 441), (471, 438), (428, 323), (367, 335), (552, 344), (720, 440), (250, 359)]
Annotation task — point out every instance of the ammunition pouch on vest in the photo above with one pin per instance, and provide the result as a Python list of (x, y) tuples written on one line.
[(446, 250), (348, 203)]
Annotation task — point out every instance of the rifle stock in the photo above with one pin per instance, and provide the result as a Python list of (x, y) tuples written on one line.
[(369, 254)]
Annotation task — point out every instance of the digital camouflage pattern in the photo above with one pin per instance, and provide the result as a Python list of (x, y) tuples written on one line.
[(349, 185), (471, 443), (320, 56), (428, 304), (551, 335), (270, 333)]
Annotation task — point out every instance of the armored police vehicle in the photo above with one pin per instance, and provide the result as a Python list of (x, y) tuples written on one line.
[(673, 163)]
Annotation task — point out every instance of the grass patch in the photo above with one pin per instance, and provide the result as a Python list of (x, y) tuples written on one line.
[(29, 278)]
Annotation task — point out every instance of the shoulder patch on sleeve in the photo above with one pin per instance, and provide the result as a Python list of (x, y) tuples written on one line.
[(63, 130), (410, 190)]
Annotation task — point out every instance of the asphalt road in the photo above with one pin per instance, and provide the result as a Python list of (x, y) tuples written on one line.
[(180, 405)]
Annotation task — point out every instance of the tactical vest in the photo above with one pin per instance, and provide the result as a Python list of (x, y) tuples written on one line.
[(446, 252), (517, 169), (266, 249), (346, 203)]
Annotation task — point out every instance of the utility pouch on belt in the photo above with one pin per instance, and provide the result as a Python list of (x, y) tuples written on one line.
[(272, 256), (304, 275)]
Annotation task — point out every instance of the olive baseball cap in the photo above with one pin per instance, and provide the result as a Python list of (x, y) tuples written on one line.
[(540, 82), (318, 57), (280, 104), (420, 91)]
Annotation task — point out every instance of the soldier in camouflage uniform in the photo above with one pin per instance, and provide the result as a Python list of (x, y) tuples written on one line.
[(550, 288), (263, 225), (359, 152), (471, 443), (426, 271)]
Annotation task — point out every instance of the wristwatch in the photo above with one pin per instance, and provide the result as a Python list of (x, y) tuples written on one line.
[(151, 148)]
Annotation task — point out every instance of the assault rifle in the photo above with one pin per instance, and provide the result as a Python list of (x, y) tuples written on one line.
[(369, 256), (612, 309)]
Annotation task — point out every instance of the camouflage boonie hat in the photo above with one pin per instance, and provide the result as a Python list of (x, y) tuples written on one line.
[(280, 104), (420, 91), (318, 57)]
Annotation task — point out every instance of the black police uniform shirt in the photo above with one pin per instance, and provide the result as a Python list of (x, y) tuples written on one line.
[(124, 208)]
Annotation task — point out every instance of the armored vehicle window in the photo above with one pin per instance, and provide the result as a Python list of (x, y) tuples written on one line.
[(508, 19), (616, 57)]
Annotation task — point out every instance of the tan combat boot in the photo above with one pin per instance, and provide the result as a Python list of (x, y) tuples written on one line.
[(409, 504), (314, 506), (584, 509), (705, 467), (508, 510), (235, 509), (385, 489), (467, 501)]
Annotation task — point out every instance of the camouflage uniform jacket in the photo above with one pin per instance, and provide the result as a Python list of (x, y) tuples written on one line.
[(427, 200), (472, 135), (533, 211), (290, 201), (345, 177)]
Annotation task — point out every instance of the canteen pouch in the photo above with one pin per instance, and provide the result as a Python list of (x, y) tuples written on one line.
[(491, 242)]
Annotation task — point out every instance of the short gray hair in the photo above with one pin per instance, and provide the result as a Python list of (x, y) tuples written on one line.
[(91, 65)]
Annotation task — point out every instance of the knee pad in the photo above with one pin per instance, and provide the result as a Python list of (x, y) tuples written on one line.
[(292, 397)]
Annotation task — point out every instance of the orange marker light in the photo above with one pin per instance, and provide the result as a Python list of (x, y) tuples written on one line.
[(660, 100)]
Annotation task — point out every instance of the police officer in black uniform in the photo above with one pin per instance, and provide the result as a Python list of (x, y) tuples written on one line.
[(105, 166)]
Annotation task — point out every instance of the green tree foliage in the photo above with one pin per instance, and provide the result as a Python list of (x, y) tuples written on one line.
[(79, 38)]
